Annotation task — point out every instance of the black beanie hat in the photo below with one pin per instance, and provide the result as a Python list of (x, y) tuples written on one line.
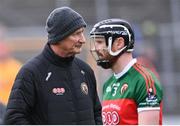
[(62, 22)]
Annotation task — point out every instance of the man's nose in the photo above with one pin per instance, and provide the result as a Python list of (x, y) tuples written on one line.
[(82, 38), (97, 46)]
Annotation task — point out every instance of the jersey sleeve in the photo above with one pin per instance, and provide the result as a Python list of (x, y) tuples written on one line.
[(148, 93)]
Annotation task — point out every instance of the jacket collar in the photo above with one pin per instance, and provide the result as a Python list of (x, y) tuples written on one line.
[(55, 59)]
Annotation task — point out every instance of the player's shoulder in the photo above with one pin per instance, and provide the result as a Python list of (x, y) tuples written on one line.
[(145, 76), (142, 72)]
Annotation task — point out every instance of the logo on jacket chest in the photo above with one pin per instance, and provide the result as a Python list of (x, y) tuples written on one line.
[(84, 88), (58, 91)]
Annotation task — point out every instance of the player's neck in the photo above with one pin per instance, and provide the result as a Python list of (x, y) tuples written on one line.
[(121, 62)]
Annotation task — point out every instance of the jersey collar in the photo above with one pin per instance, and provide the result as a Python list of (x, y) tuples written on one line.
[(128, 66)]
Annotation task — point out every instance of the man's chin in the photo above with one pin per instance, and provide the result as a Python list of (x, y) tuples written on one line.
[(78, 51)]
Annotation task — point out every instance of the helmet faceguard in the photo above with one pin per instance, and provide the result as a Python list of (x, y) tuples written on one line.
[(109, 30), (99, 51)]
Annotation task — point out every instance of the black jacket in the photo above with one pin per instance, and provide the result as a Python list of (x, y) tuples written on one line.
[(2, 110), (53, 90)]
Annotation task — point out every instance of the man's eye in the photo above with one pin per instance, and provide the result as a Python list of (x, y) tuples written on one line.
[(99, 42), (77, 33)]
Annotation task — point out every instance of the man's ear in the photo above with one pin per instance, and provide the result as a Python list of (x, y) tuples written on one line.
[(118, 44)]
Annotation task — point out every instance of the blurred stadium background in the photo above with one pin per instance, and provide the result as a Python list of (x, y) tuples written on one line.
[(156, 24)]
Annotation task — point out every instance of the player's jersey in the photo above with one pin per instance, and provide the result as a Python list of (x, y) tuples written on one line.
[(133, 90)]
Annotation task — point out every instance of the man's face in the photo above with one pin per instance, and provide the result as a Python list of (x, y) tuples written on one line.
[(98, 48), (73, 44)]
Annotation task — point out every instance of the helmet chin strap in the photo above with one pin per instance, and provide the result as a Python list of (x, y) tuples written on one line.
[(104, 64), (109, 48)]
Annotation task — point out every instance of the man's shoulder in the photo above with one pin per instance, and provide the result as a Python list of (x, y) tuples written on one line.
[(34, 63), (82, 64)]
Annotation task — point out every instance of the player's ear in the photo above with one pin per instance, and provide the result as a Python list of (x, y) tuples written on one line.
[(118, 43)]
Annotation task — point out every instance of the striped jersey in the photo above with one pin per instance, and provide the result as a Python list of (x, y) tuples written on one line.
[(133, 90)]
